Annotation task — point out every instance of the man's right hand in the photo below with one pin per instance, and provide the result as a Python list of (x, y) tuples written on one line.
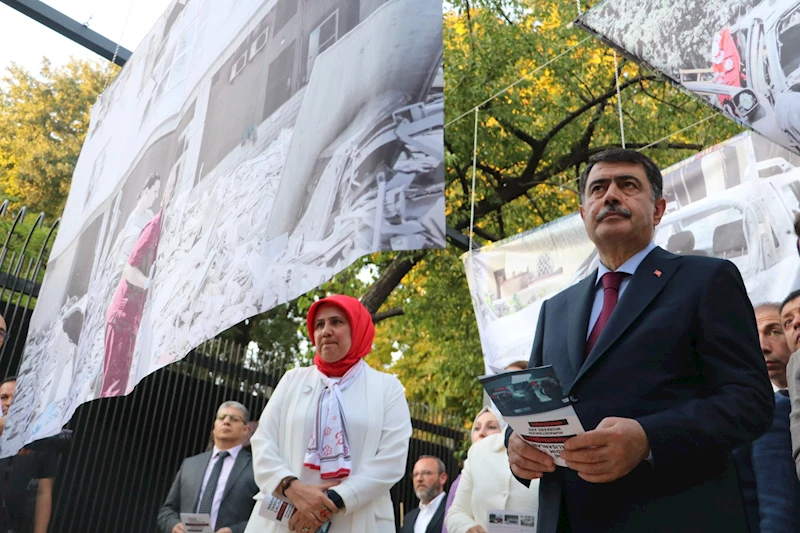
[(179, 528), (526, 461)]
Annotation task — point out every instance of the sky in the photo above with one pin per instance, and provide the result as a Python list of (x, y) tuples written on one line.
[(25, 41)]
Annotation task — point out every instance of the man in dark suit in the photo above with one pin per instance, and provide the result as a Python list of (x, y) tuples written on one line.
[(766, 470), (218, 482), (429, 477), (667, 383)]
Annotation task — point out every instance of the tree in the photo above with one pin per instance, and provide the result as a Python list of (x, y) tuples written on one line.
[(43, 121), (533, 141)]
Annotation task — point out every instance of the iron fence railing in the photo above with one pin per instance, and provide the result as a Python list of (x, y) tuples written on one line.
[(116, 468)]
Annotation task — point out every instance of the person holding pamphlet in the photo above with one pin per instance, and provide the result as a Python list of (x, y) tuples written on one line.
[(659, 357), (333, 438)]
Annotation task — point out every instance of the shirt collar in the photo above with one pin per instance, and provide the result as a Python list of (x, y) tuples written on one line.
[(234, 452), (629, 266), (434, 502)]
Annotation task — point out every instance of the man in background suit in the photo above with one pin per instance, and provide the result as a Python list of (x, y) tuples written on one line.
[(429, 477), (219, 482), (667, 383), (766, 471)]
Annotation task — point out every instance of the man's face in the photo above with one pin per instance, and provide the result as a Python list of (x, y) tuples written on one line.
[(773, 345), (230, 428), (428, 482), (7, 395), (618, 204), (3, 331), (790, 321)]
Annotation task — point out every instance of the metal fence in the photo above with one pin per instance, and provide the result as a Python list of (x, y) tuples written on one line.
[(116, 471)]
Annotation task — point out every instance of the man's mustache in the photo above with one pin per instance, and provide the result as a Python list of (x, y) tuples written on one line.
[(613, 209)]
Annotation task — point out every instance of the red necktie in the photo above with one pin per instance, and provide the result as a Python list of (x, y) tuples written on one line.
[(611, 282)]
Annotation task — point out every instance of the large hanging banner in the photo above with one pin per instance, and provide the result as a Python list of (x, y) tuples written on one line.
[(742, 56), (248, 152), (735, 201)]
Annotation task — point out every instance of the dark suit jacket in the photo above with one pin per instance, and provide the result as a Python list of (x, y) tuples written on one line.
[(767, 475), (434, 526), (237, 499), (681, 355)]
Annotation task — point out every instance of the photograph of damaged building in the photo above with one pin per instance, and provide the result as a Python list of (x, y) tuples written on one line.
[(313, 138)]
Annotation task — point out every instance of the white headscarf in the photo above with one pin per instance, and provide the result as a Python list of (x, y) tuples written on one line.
[(491, 409)]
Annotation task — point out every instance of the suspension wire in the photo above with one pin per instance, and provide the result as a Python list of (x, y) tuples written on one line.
[(619, 100), (520, 80), (119, 43), (514, 209), (91, 16), (474, 164)]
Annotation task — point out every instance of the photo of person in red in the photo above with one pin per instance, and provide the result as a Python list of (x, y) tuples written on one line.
[(124, 314)]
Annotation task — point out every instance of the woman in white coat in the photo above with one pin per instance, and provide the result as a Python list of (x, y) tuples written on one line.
[(337, 425), (486, 485)]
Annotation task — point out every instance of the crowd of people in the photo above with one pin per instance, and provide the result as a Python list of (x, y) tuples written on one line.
[(689, 394)]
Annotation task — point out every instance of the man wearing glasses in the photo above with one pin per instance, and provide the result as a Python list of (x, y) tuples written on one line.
[(218, 482)]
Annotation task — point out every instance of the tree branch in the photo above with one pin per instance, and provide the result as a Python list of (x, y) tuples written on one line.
[(390, 278), (389, 313), (612, 92)]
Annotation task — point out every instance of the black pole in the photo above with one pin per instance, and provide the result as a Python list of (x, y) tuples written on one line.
[(71, 29)]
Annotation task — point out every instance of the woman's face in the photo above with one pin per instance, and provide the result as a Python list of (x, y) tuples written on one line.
[(331, 333), (485, 425), (149, 195)]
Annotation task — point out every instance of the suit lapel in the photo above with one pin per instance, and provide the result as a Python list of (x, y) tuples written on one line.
[(438, 517), (242, 460), (578, 312), (196, 476), (647, 282)]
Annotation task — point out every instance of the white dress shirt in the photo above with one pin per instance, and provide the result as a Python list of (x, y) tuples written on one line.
[(221, 482), (629, 267), (426, 513)]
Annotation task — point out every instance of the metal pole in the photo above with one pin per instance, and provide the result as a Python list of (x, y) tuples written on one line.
[(70, 28)]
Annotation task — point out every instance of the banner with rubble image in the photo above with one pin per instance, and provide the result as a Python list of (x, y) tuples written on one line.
[(742, 56), (736, 201), (246, 153)]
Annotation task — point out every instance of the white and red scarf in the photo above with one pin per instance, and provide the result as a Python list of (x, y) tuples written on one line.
[(329, 448)]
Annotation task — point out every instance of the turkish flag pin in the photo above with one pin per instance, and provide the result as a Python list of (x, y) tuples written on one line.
[(657, 273)]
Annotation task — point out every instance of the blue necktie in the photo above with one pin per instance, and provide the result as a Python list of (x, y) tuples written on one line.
[(211, 486)]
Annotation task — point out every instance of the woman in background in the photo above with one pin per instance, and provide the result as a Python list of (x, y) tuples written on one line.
[(486, 423)]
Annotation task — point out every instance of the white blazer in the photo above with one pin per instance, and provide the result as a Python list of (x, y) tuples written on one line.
[(487, 485), (379, 429)]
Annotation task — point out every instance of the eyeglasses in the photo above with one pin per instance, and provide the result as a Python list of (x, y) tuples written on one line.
[(3, 334), (234, 418)]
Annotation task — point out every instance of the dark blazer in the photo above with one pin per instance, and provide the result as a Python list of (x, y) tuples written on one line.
[(767, 475), (237, 499), (434, 526), (680, 354)]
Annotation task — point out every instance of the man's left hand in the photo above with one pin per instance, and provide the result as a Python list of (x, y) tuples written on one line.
[(225, 530), (608, 452)]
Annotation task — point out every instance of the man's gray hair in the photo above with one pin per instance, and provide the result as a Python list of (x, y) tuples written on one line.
[(236, 405), (439, 462)]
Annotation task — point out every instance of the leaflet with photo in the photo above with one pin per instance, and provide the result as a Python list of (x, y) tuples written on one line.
[(196, 522), (533, 403), (501, 521), (280, 511)]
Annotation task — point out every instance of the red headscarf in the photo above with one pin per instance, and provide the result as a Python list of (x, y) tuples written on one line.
[(362, 332)]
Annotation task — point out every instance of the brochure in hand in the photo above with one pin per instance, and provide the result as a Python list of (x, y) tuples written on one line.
[(533, 403), (277, 510)]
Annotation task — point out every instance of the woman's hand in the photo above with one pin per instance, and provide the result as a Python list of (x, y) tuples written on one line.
[(314, 508), (476, 529)]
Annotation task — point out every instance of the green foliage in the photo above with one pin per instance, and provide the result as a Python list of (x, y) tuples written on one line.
[(43, 120)]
